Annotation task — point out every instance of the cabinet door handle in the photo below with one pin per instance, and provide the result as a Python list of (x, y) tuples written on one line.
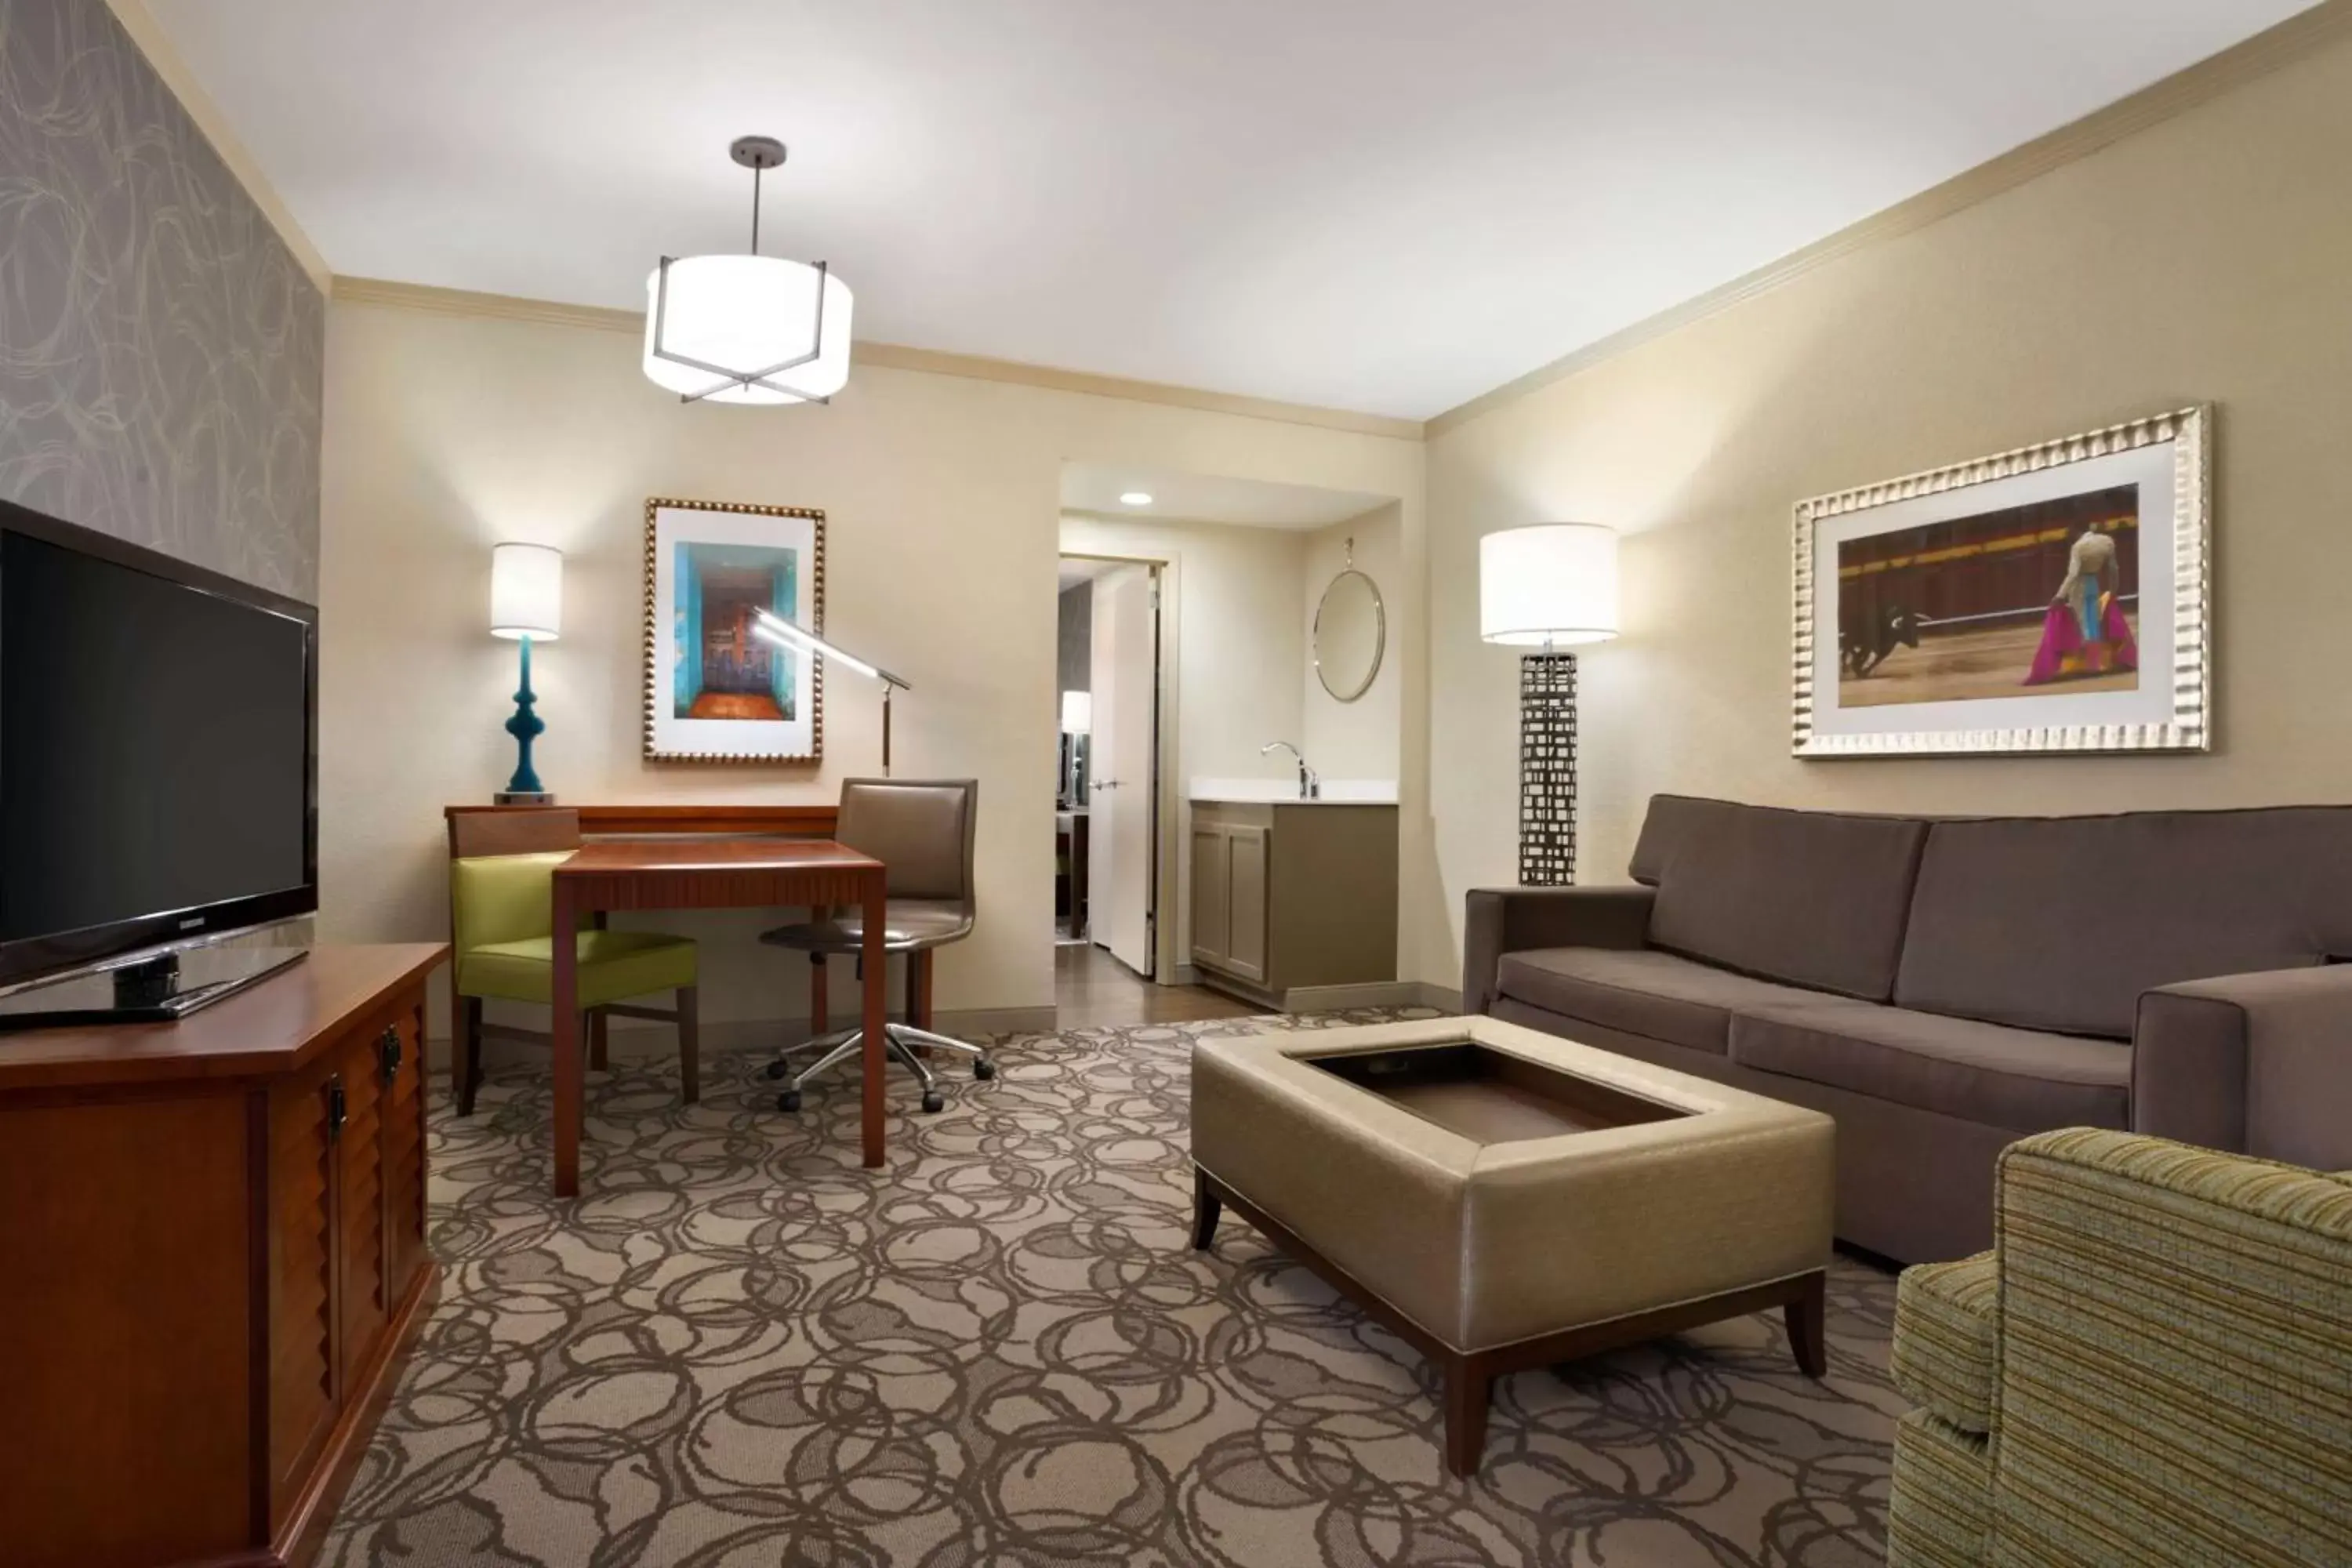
[(336, 1110), (388, 1053)]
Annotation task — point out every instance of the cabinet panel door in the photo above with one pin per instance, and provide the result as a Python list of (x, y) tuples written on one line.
[(1210, 917), (403, 1156), (302, 1280), (359, 1206), (1245, 920)]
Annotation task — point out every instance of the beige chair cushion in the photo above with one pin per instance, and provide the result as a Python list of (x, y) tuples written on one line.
[(1484, 1245)]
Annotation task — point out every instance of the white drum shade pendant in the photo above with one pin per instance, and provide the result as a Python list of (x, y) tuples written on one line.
[(747, 329)]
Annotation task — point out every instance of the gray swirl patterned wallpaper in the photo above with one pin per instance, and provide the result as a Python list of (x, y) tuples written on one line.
[(161, 350)]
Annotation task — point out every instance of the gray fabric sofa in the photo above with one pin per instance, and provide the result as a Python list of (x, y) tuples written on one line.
[(1945, 986)]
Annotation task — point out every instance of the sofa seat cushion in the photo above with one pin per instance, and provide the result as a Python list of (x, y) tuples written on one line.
[(1642, 991), (1980, 1072), (1947, 1343)]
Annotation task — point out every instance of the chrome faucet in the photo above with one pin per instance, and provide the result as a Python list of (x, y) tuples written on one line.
[(1311, 783)]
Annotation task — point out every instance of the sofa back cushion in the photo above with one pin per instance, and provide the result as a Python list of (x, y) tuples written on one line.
[(1810, 897), (2061, 922)]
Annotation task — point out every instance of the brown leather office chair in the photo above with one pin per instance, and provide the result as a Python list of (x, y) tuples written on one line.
[(924, 831)]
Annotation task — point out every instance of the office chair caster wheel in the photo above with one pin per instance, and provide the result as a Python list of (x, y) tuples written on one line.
[(983, 1069), (789, 1100), (775, 1068), (934, 1104)]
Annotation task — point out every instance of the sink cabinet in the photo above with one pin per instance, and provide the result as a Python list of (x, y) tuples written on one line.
[(1291, 895)]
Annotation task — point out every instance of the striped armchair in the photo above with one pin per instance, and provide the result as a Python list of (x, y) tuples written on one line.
[(2152, 1367)]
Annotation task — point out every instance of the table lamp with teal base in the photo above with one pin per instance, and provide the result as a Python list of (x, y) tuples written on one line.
[(526, 603)]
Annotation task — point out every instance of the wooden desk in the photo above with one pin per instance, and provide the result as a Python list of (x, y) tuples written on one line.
[(600, 821), (707, 873)]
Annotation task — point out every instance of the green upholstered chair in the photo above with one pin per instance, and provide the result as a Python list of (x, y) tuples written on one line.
[(502, 906), (2153, 1367)]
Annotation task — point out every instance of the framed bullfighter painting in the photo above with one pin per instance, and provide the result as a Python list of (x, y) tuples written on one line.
[(719, 685), (2056, 598)]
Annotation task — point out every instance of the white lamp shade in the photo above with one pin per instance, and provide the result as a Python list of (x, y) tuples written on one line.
[(527, 591), (1553, 585), (745, 314), (1077, 712)]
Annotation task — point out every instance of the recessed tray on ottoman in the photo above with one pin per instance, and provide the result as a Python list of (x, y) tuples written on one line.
[(1504, 1199)]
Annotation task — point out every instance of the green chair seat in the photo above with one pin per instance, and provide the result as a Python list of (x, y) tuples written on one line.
[(614, 966)]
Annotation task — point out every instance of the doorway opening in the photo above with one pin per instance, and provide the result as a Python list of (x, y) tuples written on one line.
[(1276, 689), (1109, 715)]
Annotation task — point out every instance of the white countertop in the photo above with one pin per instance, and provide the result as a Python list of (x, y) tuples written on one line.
[(1284, 792)]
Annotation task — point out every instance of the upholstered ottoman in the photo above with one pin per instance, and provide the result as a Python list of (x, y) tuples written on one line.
[(1505, 1199)]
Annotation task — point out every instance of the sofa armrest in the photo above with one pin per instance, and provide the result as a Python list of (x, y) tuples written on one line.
[(1497, 920), (2258, 1064), (2164, 1315)]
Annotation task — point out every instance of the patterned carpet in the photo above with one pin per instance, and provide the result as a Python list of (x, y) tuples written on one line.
[(742, 1349)]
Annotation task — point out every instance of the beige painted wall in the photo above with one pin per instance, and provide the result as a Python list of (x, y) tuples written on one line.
[(446, 434), (2208, 257), (1356, 740), (1237, 608)]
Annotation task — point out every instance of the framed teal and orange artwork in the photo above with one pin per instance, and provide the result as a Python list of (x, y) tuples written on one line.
[(720, 686)]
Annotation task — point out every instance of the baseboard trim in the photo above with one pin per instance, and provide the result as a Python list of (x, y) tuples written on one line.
[(636, 1042), (1364, 994), (1446, 999)]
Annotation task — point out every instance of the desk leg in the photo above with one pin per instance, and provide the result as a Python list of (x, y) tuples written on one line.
[(565, 1031), (877, 975)]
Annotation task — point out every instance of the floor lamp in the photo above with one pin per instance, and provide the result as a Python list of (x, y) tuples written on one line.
[(774, 628), (1547, 587)]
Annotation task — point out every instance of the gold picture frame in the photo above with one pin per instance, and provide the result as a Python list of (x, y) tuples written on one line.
[(773, 710), (1950, 674)]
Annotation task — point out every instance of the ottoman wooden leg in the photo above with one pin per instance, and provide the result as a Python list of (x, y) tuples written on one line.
[(1806, 1317), (1206, 1210), (1469, 1388)]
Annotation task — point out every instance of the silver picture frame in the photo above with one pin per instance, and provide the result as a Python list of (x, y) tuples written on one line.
[(2174, 700)]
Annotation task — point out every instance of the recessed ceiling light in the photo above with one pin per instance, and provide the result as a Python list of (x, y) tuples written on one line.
[(1135, 498)]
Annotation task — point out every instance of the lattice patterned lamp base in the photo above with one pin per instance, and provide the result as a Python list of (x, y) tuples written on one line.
[(1548, 770)]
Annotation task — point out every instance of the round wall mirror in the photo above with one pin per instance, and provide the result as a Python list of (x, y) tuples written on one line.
[(1351, 631)]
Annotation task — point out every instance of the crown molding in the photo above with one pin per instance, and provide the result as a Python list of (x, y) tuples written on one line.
[(163, 59), (2211, 78), (934, 362), (885, 356), (495, 307)]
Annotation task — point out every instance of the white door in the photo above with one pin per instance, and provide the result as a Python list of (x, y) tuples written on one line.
[(1125, 678)]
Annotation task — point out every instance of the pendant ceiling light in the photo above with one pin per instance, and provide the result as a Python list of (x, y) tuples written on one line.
[(747, 329)]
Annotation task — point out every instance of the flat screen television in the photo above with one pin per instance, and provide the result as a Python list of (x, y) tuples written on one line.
[(158, 760)]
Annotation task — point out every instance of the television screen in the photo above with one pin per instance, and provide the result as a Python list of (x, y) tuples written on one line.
[(154, 750)]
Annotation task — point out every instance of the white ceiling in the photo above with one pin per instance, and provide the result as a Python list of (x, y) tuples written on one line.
[(1096, 488), (1389, 205)]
